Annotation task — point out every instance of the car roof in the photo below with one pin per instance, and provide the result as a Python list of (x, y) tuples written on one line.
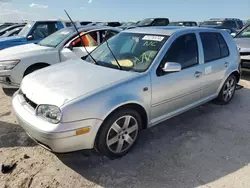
[(94, 27), (183, 21), (166, 30), (222, 19)]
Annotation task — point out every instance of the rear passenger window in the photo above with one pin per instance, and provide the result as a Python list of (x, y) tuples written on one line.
[(184, 50), (211, 46), (223, 46)]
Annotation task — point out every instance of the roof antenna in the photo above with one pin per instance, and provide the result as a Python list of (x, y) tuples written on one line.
[(79, 36)]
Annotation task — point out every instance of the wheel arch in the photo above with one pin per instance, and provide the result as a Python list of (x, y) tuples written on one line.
[(237, 74), (38, 64), (137, 107)]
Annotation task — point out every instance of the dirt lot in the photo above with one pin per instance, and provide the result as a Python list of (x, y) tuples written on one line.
[(205, 147)]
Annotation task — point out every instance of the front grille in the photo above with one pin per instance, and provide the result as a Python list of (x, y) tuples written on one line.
[(28, 101), (244, 53)]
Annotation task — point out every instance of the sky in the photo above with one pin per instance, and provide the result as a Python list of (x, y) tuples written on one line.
[(123, 10)]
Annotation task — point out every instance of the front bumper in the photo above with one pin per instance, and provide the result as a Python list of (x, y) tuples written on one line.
[(6, 80), (59, 138), (245, 62)]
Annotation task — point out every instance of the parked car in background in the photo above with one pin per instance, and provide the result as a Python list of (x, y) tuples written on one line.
[(151, 22), (33, 32), (19, 61), (111, 24), (183, 23), (9, 28), (138, 79), (94, 23), (4, 25), (232, 25), (85, 22), (12, 32), (242, 40), (126, 25), (69, 24)]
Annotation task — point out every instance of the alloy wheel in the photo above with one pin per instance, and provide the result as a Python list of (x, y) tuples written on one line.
[(229, 88), (122, 134)]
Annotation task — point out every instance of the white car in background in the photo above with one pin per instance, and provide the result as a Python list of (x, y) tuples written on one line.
[(19, 61)]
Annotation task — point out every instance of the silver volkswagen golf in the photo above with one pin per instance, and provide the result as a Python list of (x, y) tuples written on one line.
[(133, 81)]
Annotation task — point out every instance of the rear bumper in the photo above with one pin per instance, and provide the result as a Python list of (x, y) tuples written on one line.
[(59, 138)]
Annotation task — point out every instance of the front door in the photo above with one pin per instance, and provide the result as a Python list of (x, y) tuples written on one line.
[(174, 92)]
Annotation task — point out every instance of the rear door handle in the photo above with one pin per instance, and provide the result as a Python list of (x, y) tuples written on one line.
[(197, 74), (226, 64)]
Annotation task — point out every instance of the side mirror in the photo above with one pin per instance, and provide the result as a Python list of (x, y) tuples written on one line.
[(172, 67), (233, 34), (30, 37), (69, 46)]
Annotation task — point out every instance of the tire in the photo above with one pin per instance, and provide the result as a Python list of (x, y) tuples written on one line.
[(34, 68), (115, 141), (227, 91)]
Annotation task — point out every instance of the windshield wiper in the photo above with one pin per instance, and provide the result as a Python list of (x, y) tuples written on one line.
[(112, 52)]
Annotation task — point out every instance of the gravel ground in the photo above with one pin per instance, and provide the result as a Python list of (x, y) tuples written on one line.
[(205, 147)]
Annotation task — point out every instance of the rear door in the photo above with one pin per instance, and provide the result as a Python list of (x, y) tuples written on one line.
[(216, 61)]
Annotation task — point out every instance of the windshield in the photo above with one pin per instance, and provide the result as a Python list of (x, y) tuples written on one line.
[(218, 23), (245, 33), (134, 52), (56, 38), (145, 22), (25, 31)]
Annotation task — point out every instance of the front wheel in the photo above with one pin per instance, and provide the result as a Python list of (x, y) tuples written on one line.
[(119, 133), (227, 90)]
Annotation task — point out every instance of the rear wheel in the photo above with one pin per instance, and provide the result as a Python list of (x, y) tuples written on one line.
[(119, 133), (227, 91)]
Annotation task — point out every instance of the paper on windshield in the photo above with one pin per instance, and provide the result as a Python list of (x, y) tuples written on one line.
[(123, 63), (153, 38)]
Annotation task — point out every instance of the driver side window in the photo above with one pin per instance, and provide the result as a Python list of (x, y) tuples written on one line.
[(184, 50), (89, 40)]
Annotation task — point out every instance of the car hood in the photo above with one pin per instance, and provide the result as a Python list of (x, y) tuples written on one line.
[(11, 39), (243, 44), (22, 50), (63, 82)]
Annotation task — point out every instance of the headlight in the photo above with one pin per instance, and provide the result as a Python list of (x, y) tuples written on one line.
[(49, 112), (8, 64)]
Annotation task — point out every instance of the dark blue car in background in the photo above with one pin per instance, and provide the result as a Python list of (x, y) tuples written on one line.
[(33, 32)]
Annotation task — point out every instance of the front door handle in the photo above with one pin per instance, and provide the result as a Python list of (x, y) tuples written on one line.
[(226, 64), (197, 74)]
